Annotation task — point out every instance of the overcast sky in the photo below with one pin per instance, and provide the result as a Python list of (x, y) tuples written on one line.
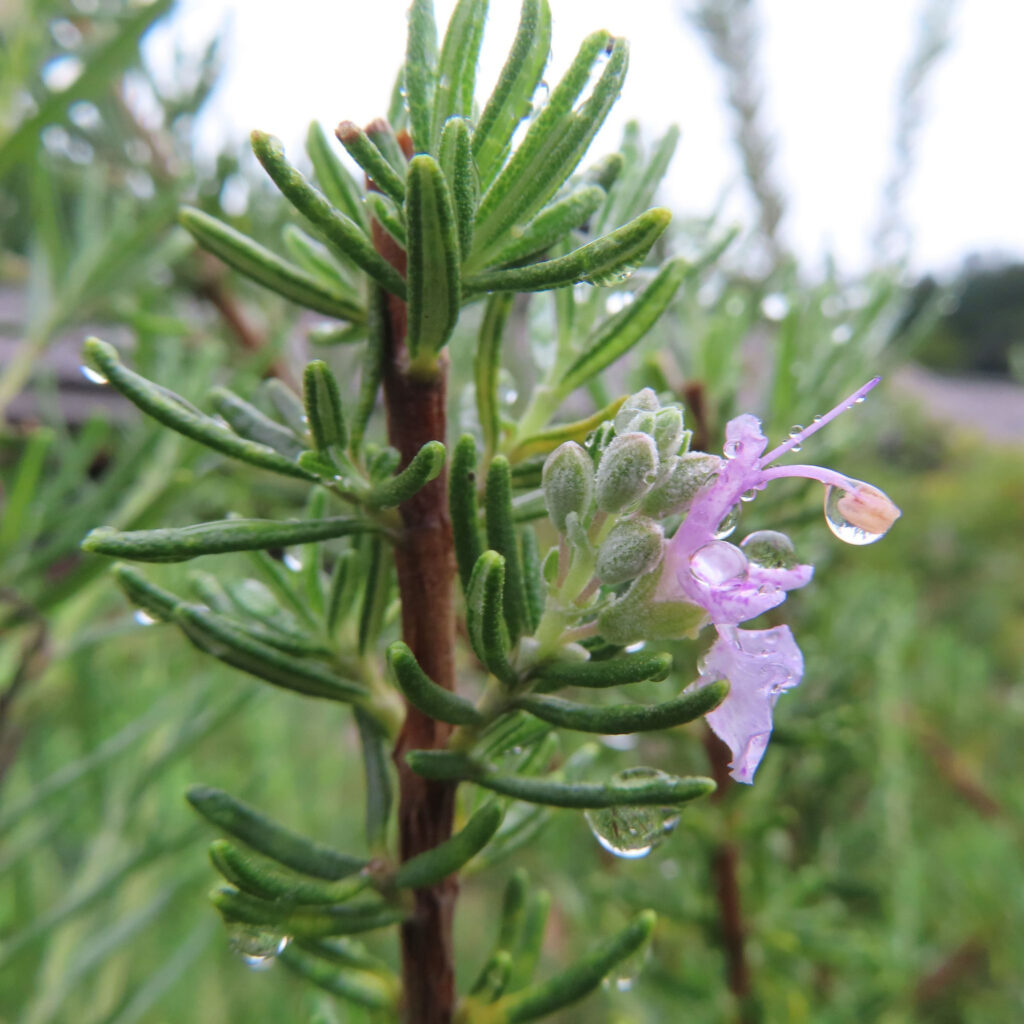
[(830, 68)]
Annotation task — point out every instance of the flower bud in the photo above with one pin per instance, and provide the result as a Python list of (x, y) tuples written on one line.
[(682, 478), (633, 548), (568, 483), (668, 430), (642, 401), (628, 468)]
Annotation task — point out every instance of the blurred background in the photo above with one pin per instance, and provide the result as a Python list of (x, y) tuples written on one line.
[(868, 157)]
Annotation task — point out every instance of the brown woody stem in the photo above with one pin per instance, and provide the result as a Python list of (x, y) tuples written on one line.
[(425, 563)]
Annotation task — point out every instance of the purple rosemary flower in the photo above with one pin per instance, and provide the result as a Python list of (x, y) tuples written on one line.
[(736, 583)]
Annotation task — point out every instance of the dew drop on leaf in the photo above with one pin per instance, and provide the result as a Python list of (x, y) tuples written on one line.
[(256, 945), (143, 618), (632, 832), (92, 375)]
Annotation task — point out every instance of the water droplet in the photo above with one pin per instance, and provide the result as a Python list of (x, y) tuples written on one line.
[(774, 306), (796, 430), (859, 400), (840, 511), (728, 524), (620, 741), (769, 549), (718, 563), (614, 275), (817, 419), (842, 334), (143, 618), (777, 678), (796, 447), (617, 301), (632, 832), (291, 562), (92, 375), (748, 495), (256, 945), (731, 449), (633, 648)]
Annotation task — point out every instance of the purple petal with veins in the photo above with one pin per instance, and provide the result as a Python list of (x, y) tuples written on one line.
[(760, 664)]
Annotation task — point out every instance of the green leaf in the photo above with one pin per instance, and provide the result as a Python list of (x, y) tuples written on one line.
[(462, 503), (421, 72), (630, 668), (338, 230), (431, 866), (546, 441), (323, 407), (554, 144), (551, 224), (182, 543), (433, 261), (605, 260), (178, 414), (613, 719), (388, 217), (375, 747), (364, 151), (456, 66), (317, 260), (267, 268), (423, 693), (485, 616), (270, 838), (450, 766), (376, 592), (501, 537), (582, 977), (341, 190), (487, 365), (455, 155), (528, 951), (426, 465), (372, 366), (511, 100), (155, 600), (533, 577), (301, 921), (264, 877), (492, 980), (619, 333), (234, 646), (248, 421), (363, 988)]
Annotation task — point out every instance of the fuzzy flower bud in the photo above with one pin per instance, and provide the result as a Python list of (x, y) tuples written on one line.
[(628, 468), (645, 401), (680, 480), (668, 430), (568, 483), (633, 548)]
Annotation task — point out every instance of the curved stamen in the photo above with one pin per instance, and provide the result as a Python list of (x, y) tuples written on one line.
[(798, 439), (819, 473)]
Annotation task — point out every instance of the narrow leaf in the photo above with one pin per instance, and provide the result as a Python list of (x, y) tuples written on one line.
[(421, 72), (605, 260), (340, 231), (455, 155), (324, 413), (487, 365), (630, 668), (248, 421), (433, 260), (425, 466), (267, 268), (533, 578), (363, 988), (511, 100), (547, 441), (431, 866), (375, 748), (462, 503), (485, 616), (182, 543), (364, 151), (270, 838), (179, 415), (155, 600), (372, 367), (342, 191), (501, 537), (422, 692), (456, 66), (384, 213)]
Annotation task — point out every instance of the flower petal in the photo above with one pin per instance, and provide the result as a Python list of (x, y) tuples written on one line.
[(760, 664)]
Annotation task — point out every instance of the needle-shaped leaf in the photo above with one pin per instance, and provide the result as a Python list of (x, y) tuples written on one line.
[(485, 616), (268, 837), (433, 260), (501, 537), (364, 988), (316, 260), (179, 544), (178, 414), (456, 66), (619, 333), (372, 365), (384, 213), (422, 692), (234, 646), (455, 155), (364, 151), (547, 441), (375, 745), (431, 866), (267, 268), (341, 189), (512, 98), (155, 600), (248, 421), (616, 719), (425, 466), (421, 72), (462, 504), (322, 398), (339, 231), (613, 257), (630, 668), (487, 366)]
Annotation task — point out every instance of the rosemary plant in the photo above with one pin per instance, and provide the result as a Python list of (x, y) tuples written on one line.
[(463, 206)]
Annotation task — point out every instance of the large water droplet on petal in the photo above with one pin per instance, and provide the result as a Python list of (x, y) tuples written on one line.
[(859, 515), (718, 563), (769, 549), (632, 832), (728, 525), (256, 945)]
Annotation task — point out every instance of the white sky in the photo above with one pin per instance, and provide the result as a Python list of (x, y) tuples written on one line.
[(830, 69)]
